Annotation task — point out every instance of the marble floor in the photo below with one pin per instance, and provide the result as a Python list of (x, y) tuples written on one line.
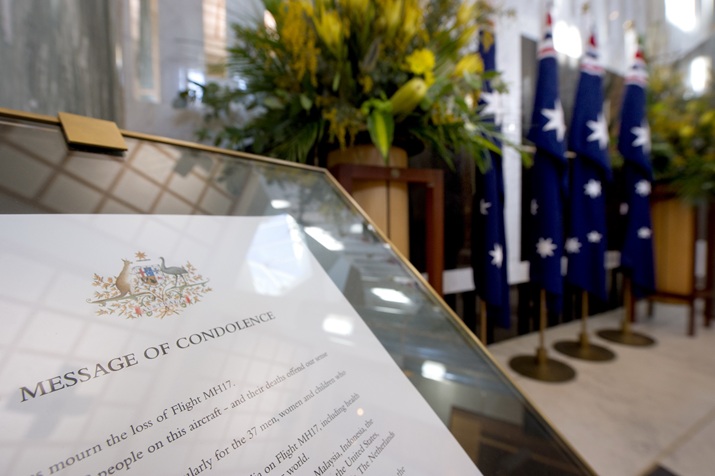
[(650, 411)]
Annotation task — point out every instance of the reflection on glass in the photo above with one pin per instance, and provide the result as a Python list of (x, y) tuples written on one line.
[(280, 204), (276, 259), (324, 238), (391, 295), (433, 370)]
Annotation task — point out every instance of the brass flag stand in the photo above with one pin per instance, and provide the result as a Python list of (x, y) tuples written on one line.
[(582, 348), (541, 367), (624, 335)]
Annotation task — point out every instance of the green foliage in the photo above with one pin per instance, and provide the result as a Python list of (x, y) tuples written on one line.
[(322, 75), (682, 135)]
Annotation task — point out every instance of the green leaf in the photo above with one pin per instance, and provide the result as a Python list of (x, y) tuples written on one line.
[(381, 127), (336, 81), (273, 102), (306, 102)]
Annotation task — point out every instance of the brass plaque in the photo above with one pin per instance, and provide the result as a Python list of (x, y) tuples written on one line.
[(86, 133)]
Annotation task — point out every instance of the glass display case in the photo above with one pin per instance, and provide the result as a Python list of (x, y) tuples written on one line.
[(501, 432)]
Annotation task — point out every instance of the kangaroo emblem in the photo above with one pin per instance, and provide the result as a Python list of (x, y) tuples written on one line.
[(123, 283)]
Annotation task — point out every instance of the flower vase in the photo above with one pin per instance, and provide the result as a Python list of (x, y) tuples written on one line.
[(385, 202)]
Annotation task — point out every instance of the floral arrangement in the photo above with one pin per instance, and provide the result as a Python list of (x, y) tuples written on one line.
[(682, 135), (330, 73)]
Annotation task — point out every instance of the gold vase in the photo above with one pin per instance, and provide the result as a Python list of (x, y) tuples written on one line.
[(385, 202)]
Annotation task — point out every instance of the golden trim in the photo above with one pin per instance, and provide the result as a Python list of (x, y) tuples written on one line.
[(464, 330), (218, 150), (88, 132), (28, 116), (456, 320)]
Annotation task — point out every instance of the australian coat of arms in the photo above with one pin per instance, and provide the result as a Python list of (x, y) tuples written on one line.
[(147, 287)]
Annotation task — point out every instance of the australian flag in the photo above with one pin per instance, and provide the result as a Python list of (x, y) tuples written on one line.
[(634, 145), (548, 175), (588, 137), (489, 257)]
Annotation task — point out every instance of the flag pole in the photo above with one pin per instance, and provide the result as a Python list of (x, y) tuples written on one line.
[(582, 348), (542, 367), (625, 335)]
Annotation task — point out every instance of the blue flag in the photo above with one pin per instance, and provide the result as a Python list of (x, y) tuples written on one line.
[(489, 256), (548, 175), (634, 145), (588, 137)]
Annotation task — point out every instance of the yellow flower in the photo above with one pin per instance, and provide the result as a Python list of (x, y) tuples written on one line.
[(466, 36), (466, 12), (299, 39), (487, 39), (392, 10), (330, 30), (411, 22), (686, 131), (357, 8), (420, 61), (367, 83), (471, 63)]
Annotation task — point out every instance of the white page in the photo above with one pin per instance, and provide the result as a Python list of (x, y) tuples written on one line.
[(241, 357)]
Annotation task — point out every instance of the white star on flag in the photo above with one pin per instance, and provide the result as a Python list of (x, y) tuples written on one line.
[(572, 245), (534, 207), (599, 130), (494, 106), (592, 188), (594, 237), (642, 134), (643, 188), (623, 208), (644, 232), (497, 255), (545, 247), (484, 207), (556, 120)]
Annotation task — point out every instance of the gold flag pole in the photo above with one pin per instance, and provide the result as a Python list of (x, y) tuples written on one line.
[(582, 348), (541, 367), (625, 335)]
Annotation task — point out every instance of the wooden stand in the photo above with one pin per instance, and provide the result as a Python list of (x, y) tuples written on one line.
[(677, 230), (483, 321), (349, 174), (541, 367), (582, 348)]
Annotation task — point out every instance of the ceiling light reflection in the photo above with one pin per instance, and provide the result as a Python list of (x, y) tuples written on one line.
[(324, 238), (280, 204), (391, 295), (433, 370)]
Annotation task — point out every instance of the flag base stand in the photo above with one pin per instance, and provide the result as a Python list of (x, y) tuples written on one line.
[(624, 335), (541, 367), (582, 348), (626, 338)]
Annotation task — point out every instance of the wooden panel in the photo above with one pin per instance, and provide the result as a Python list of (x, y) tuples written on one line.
[(674, 243)]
